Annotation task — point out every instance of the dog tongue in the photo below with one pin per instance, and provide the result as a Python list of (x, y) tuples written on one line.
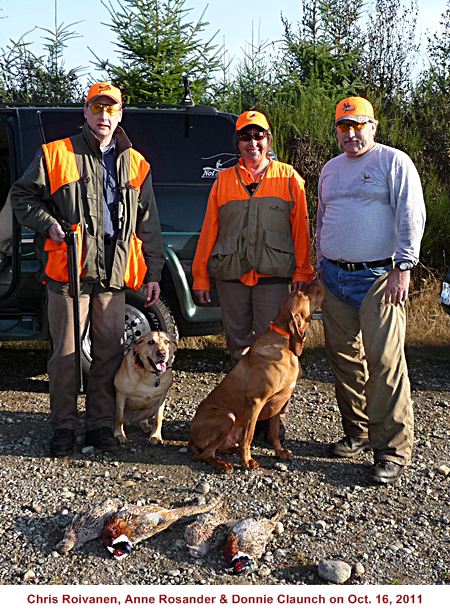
[(161, 366)]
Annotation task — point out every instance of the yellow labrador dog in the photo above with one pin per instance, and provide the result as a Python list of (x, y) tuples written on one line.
[(141, 384)]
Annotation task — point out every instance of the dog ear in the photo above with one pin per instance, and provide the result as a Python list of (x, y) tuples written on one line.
[(295, 337)]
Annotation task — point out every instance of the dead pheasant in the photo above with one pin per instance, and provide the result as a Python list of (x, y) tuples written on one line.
[(207, 531), (130, 525), (246, 542), (86, 526)]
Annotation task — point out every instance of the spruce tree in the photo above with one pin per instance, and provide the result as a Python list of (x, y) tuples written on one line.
[(156, 46)]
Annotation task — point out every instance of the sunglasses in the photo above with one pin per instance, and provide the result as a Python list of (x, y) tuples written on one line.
[(247, 136), (344, 127), (99, 108)]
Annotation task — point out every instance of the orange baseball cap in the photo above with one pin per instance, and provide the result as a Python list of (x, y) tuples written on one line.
[(354, 109), (106, 89), (252, 117)]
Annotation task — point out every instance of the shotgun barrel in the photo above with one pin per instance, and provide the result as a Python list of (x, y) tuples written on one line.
[(71, 240)]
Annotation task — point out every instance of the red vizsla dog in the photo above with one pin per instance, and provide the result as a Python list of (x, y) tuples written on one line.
[(257, 388)]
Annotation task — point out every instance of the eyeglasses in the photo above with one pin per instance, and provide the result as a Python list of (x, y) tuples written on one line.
[(344, 127), (97, 108), (247, 136)]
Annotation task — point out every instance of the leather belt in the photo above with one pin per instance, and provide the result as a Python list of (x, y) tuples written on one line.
[(361, 266)]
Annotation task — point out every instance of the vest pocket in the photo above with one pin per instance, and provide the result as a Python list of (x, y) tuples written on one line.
[(277, 255), (224, 262), (55, 256)]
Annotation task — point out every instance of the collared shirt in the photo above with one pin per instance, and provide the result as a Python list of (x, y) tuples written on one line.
[(110, 191)]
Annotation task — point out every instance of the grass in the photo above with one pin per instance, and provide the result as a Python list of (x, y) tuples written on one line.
[(428, 324)]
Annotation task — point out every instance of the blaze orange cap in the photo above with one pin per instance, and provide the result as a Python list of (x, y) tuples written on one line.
[(106, 89), (252, 117), (354, 109)]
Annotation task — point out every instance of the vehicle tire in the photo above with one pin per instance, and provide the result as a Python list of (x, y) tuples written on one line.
[(139, 321)]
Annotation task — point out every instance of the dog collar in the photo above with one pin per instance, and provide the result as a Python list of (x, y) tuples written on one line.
[(278, 330)]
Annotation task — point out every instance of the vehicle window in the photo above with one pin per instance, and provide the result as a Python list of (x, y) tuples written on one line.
[(183, 148), (181, 208)]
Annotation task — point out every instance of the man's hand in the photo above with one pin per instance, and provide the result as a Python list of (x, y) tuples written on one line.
[(203, 296), (397, 287), (56, 234), (152, 290)]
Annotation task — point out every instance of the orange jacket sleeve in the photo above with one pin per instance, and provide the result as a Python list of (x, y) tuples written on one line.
[(207, 239), (304, 271)]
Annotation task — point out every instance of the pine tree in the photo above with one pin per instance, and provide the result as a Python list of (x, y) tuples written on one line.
[(29, 78), (157, 45)]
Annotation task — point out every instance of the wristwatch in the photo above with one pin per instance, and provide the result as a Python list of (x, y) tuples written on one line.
[(404, 265)]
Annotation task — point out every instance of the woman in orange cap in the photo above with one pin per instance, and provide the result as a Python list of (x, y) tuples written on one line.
[(254, 241)]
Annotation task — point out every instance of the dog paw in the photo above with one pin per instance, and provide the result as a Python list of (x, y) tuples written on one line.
[(121, 438), (224, 467), (155, 440), (252, 465), (284, 454)]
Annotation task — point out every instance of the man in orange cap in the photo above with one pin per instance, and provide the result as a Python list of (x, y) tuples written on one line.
[(96, 184), (370, 222)]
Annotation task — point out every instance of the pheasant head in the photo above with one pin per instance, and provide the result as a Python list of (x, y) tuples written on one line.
[(116, 537), (238, 562)]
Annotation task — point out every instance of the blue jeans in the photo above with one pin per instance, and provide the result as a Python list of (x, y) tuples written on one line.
[(350, 286)]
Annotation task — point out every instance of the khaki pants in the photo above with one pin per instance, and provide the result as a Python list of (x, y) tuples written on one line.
[(365, 349), (247, 311), (106, 312)]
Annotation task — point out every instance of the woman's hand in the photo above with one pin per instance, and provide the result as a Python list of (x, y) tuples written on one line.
[(203, 296)]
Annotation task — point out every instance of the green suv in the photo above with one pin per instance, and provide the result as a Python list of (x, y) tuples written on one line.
[(186, 147)]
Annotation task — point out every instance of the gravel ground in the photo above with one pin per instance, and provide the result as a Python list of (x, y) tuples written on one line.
[(388, 535)]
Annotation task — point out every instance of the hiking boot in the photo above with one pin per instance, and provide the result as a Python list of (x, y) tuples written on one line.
[(385, 472), (62, 442), (102, 438), (349, 446)]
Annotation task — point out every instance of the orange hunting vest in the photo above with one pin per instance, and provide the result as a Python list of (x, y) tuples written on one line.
[(62, 169)]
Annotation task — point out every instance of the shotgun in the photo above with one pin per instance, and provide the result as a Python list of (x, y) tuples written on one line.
[(71, 240)]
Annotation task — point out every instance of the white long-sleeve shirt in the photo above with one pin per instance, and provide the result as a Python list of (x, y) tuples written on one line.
[(370, 207)]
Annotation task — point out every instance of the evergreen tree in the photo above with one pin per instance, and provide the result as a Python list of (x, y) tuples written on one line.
[(431, 117), (157, 46), (29, 78), (390, 50), (327, 45)]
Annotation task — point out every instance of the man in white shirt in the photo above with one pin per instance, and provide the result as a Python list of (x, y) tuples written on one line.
[(370, 223)]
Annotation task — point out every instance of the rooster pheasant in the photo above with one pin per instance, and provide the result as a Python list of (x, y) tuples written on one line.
[(124, 529), (246, 542)]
